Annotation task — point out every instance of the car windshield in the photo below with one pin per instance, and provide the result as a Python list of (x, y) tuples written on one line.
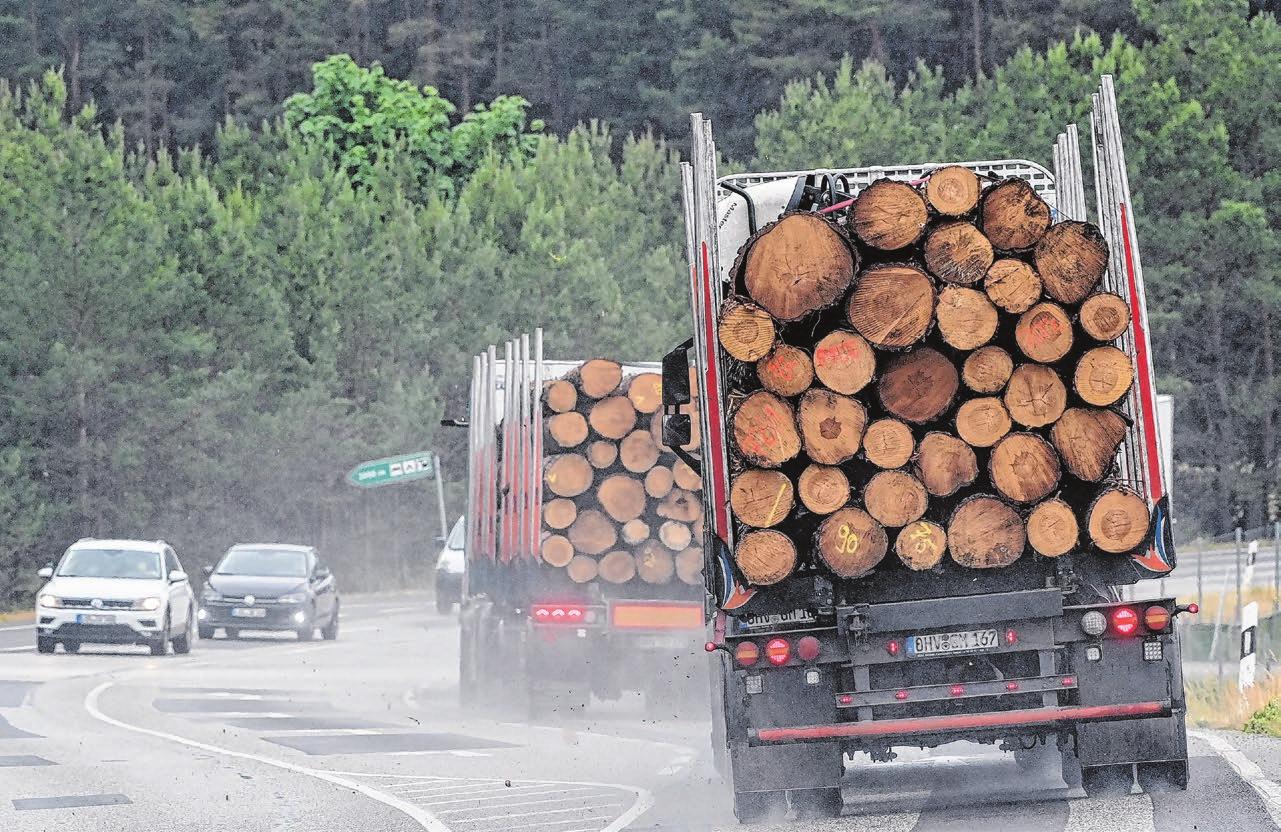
[(457, 534), (110, 563), (267, 563)]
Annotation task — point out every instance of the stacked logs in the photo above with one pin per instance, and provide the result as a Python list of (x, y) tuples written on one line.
[(618, 506), (930, 370)]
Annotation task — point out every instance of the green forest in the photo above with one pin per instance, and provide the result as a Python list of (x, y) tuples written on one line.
[(232, 266)]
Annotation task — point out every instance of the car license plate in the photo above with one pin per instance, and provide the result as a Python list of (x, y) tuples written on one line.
[(248, 612), (92, 618), (964, 641)]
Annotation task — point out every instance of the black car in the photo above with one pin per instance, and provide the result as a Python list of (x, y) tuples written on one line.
[(269, 586)]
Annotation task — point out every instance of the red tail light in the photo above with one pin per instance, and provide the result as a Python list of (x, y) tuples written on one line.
[(957, 690), (1156, 619), (893, 648), (1011, 637), (747, 653), (900, 695), (1125, 621), (558, 613), (1011, 686), (807, 649), (1068, 681), (845, 699), (778, 651)]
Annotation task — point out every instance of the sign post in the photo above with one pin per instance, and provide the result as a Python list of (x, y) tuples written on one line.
[(1249, 645), (424, 465)]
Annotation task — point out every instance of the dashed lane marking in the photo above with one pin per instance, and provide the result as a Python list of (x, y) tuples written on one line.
[(1248, 770)]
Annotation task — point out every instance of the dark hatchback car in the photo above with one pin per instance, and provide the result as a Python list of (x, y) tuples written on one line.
[(269, 586)]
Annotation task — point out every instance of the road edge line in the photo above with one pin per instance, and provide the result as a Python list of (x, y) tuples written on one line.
[(423, 817), (1248, 770)]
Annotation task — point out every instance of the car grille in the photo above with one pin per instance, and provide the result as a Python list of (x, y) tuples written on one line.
[(87, 603)]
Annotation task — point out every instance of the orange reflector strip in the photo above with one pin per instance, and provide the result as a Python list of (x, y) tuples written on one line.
[(657, 616)]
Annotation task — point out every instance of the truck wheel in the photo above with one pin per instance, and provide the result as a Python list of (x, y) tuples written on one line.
[(1159, 778), (751, 807), (45, 645), (206, 632), (71, 646)]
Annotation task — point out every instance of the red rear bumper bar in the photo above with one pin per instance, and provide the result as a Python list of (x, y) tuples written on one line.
[(960, 722)]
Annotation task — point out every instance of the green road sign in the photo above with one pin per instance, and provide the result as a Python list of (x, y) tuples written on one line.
[(393, 469)]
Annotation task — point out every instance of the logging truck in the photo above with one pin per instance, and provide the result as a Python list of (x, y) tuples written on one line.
[(930, 463), (582, 575)]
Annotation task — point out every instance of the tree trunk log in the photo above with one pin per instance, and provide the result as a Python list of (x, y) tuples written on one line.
[(889, 215), (765, 557), (764, 428), (957, 252), (952, 191), (1052, 528), (654, 563), (983, 422), (559, 513), (1024, 468), (892, 306), (567, 475), (1071, 259), (602, 453), (1103, 376), (921, 545), (686, 477), (823, 489), (1118, 521), (895, 498), (557, 550), (888, 443), (985, 533), (568, 429), (618, 567), (945, 464), (622, 497), (798, 265), (844, 362), (746, 331), (1013, 216), (851, 542), (786, 371), (1087, 439), (761, 498), (659, 481), (581, 569), (645, 391), (599, 377), (1104, 316), (689, 566), (680, 505), (634, 531), (987, 370), (675, 536), (612, 418), (1035, 396), (561, 396), (1012, 285), (831, 426), (637, 451), (593, 532), (967, 319), (1044, 333), (919, 385)]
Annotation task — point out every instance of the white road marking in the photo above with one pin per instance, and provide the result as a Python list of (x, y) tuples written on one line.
[(1128, 813), (452, 753), (547, 823), (498, 795), (1246, 768), (17, 649), (579, 809), (495, 788), (212, 715), (12, 627), (516, 803), (678, 766)]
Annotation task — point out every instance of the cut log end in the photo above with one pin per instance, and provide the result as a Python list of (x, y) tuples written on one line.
[(892, 306), (1118, 521), (1035, 396), (761, 498), (568, 430), (986, 370), (823, 489), (618, 567), (1052, 529), (681, 505), (983, 422), (895, 498), (1071, 259), (602, 453), (637, 452), (1013, 216), (612, 417), (686, 477), (888, 443), (957, 252), (798, 265), (557, 551), (659, 481), (1044, 333), (851, 543), (921, 545), (889, 215), (645, 391), (919, 386), (945, 464), (599, 377), (1024, 468), (1012, 285), (559, 513), (786, 371), (593, 533), (561, 396), (746, 331), (675, 536), (1103, 376), (634, 531), (1087, 440), (831, 426), (844, 362), (655, 563), (765, 557), (953, 191), (581, 569), (985, 533), (967, 319), (1105, 316), (764, 428), (622, 497), (567, 475)]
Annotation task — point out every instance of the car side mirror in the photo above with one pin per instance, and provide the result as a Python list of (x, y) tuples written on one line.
[(321, 573), (45, 572), (207, 569), (177, 576)]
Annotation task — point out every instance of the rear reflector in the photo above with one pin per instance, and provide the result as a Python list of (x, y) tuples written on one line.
[(957, 690), (652, 616), (747, 653), (778, 651), (1156, 619), (807, 648), (893, 648), (558, 613)]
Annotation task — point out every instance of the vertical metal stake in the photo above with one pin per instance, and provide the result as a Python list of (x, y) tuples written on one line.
[(1200, 594), (1238, 554), (440, 498)]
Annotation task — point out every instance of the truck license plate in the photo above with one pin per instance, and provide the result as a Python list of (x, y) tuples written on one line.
[(961, 642), (248, 612), (92, 618)]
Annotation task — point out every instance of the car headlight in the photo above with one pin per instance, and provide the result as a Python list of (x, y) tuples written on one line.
[(293, 598), (147, 604), (47, 600)]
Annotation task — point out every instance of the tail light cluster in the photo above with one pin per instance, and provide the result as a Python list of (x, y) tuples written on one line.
[(1128, 621), (573, 614), (777, 651)]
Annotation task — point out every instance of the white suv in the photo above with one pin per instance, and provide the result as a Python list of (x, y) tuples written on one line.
[(116, 592)]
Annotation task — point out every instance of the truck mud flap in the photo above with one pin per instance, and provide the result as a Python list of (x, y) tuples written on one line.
[(1132, 741), (774, 768)]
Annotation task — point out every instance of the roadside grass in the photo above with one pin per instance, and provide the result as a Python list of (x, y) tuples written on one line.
[(1215, 705), (16, 617), (1212, 601)]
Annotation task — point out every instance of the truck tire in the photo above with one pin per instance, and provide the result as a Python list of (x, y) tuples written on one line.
[(45, 645), (753, 807), (1161, 778)]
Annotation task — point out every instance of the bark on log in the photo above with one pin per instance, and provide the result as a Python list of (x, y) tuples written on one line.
[(746, 331), (1052, 528), (844, 362), (557, 550), (957, 252), (613, 417), (567, 475), (798, 265), (602, 453), (895, 498), (967, 319), (1071, 259), (1012, 285), (1103, 376), (765, 557), (689, 566), (637, 451), (892, 306), (592, 532), (1118, 521), (1013, 216), (659, 481), (622, 497), (1104, 316), (645, 392), (786, 371), (761, 498), (1044, 333), (680, 505), (599, 377), (675, 536), (888, 443), (764, 428), (889, 215), (686, 477), (983, 422), (1035, 396), (654, 563), (1024, 468), (985, 533), (561, 396), (919, 385), (986, 370), (823, 489), (945, 464), (559, 513), (581, 569), (921, 545), (851, 543), (618, 567), (568, 429), (634, 531), (953, 190), (1087, 440), (831, 426)]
